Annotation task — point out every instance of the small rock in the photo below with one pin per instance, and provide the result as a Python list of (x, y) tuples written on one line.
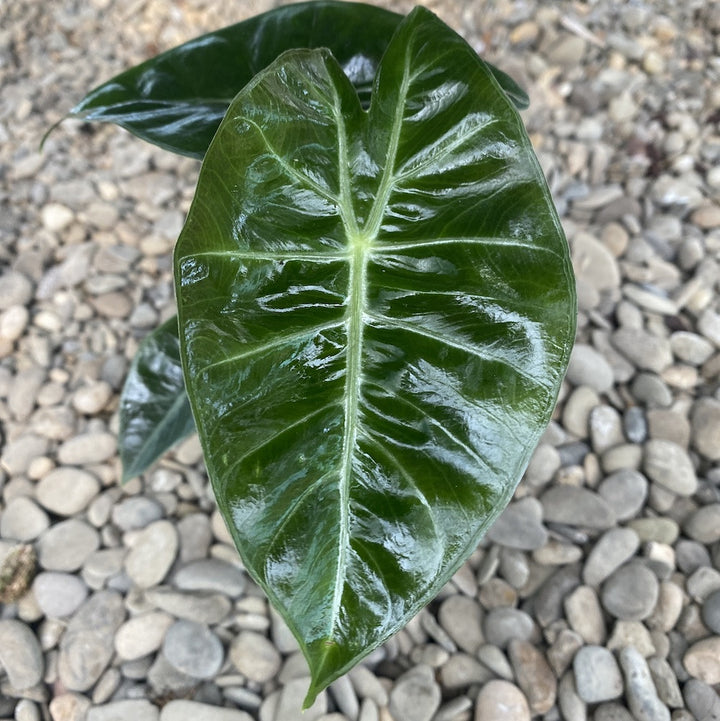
[(702, 660), (705, 425), (461, 670), (690, 347), (593, 263), (666, 682), (576, 506), (711, 612), (92, 398), (703, 525), (66, 545), (501, 701), (505, 624), (631, 592), (576, 412), (570, 704), (702, 701), (534, 676), (181, 710), (15, 289), (635, 425), (142, 635), (13, 323), (136, 512), (668, 464), (658, 529), (193, 649), (136, 709), (597, 675), (255, 656), (589, 368), (563, 650), (211, 575), (67, 491), (200, 606), (625, 491), (59, 594), (640, 690), (706, 216), (520, 526), (87, 644), (152, 554), (632, 633), (612, 712), (584, 615), (56, 217), (606, 429), (291, 699), (644, 350), (20, 654), (415, 696), (22, 520), (87, 448), (612, 549), (18, 454), (461, 617), (195, 537)]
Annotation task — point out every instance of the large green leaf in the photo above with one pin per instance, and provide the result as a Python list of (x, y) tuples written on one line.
[(154, 409), (376, 312), (177, 99)]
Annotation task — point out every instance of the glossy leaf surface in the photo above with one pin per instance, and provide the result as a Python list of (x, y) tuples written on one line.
[(376, 312), (177, 99), (154, 409)]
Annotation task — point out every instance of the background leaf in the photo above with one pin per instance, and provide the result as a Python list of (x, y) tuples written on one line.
[(154, 409), (376, 313), (177, 99)]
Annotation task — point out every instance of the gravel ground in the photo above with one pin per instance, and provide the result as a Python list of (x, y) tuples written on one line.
[(596, 595)]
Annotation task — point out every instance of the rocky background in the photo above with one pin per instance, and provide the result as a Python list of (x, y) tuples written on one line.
[(597, 594)]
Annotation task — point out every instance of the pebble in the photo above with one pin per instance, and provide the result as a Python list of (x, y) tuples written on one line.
[(211, 575), (502, 625), (646, 351), (501, 701), (588, 367), (193, 649), (612, 712), (86, 647), (703, 525), (291, 699), (583, 612), (56, 217), (593, 262), (533, 675), (576, 412), (92, 398), (640, 690), (136, 512), (612, 549), (87, 448), (711, 612), (135, 709), (20, 654), (658, 529), (66, 545), (690, 347), (668, 464), (705, 425), (182, 710), (701, 700), (255, 657), (576, 507), (142, 635), (666, 683), (520, 526), (67, 491), (59, 594), (415, 696), (200, 606), (15, 289), (631, 592), (152, 554), (606, 429), (461, 617), (625, 491), (702, 660), (597, 674), (23, 520)]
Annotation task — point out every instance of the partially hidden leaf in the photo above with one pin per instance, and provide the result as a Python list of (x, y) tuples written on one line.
[(376, 312), (154, 409), (177, 99)]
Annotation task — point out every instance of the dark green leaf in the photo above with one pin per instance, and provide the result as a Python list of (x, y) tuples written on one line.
[(154, 410), (376, 313), (177, 99)]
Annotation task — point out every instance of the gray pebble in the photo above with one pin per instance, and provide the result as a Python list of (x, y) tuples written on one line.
[(291, 699), (548, 600), (635, 425), (461, 617), (576, 507), (23, 520), (211, 575), (135, 709), (640, 690), (193, 649), (87, 448), (593, 262), (58, 594), (501, 625), (534, 676), (15, 289), (345, 699), (92, 398), (589, 368), (690, 347), (606, 429), (67, 545), (20, 654), (612, 549), (520, 526), (164, 679), (657, 528), (87, 644), (625, 491), (415, 696), (703, 525), (563, 650), (136, 512), (182, 710), (631, 592), (142, 635), (690, 555), (705, 424), (612, 712), (543, 465), (576, 411), (669, 465), (711, 612), (152, 554), (255, 657), (702, 700), (702, 582), (67, 491), (643, 349), (195, 537), (200, 606), (501, 700), (570, 704), (583, 612), (20, 452), (461, 670), (651, 390), (597, 675), (666, 682)]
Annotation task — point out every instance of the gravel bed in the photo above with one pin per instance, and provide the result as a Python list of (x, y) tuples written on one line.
[(595, 596)]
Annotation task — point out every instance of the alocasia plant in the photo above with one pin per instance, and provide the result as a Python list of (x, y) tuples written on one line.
[(375, 305)]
